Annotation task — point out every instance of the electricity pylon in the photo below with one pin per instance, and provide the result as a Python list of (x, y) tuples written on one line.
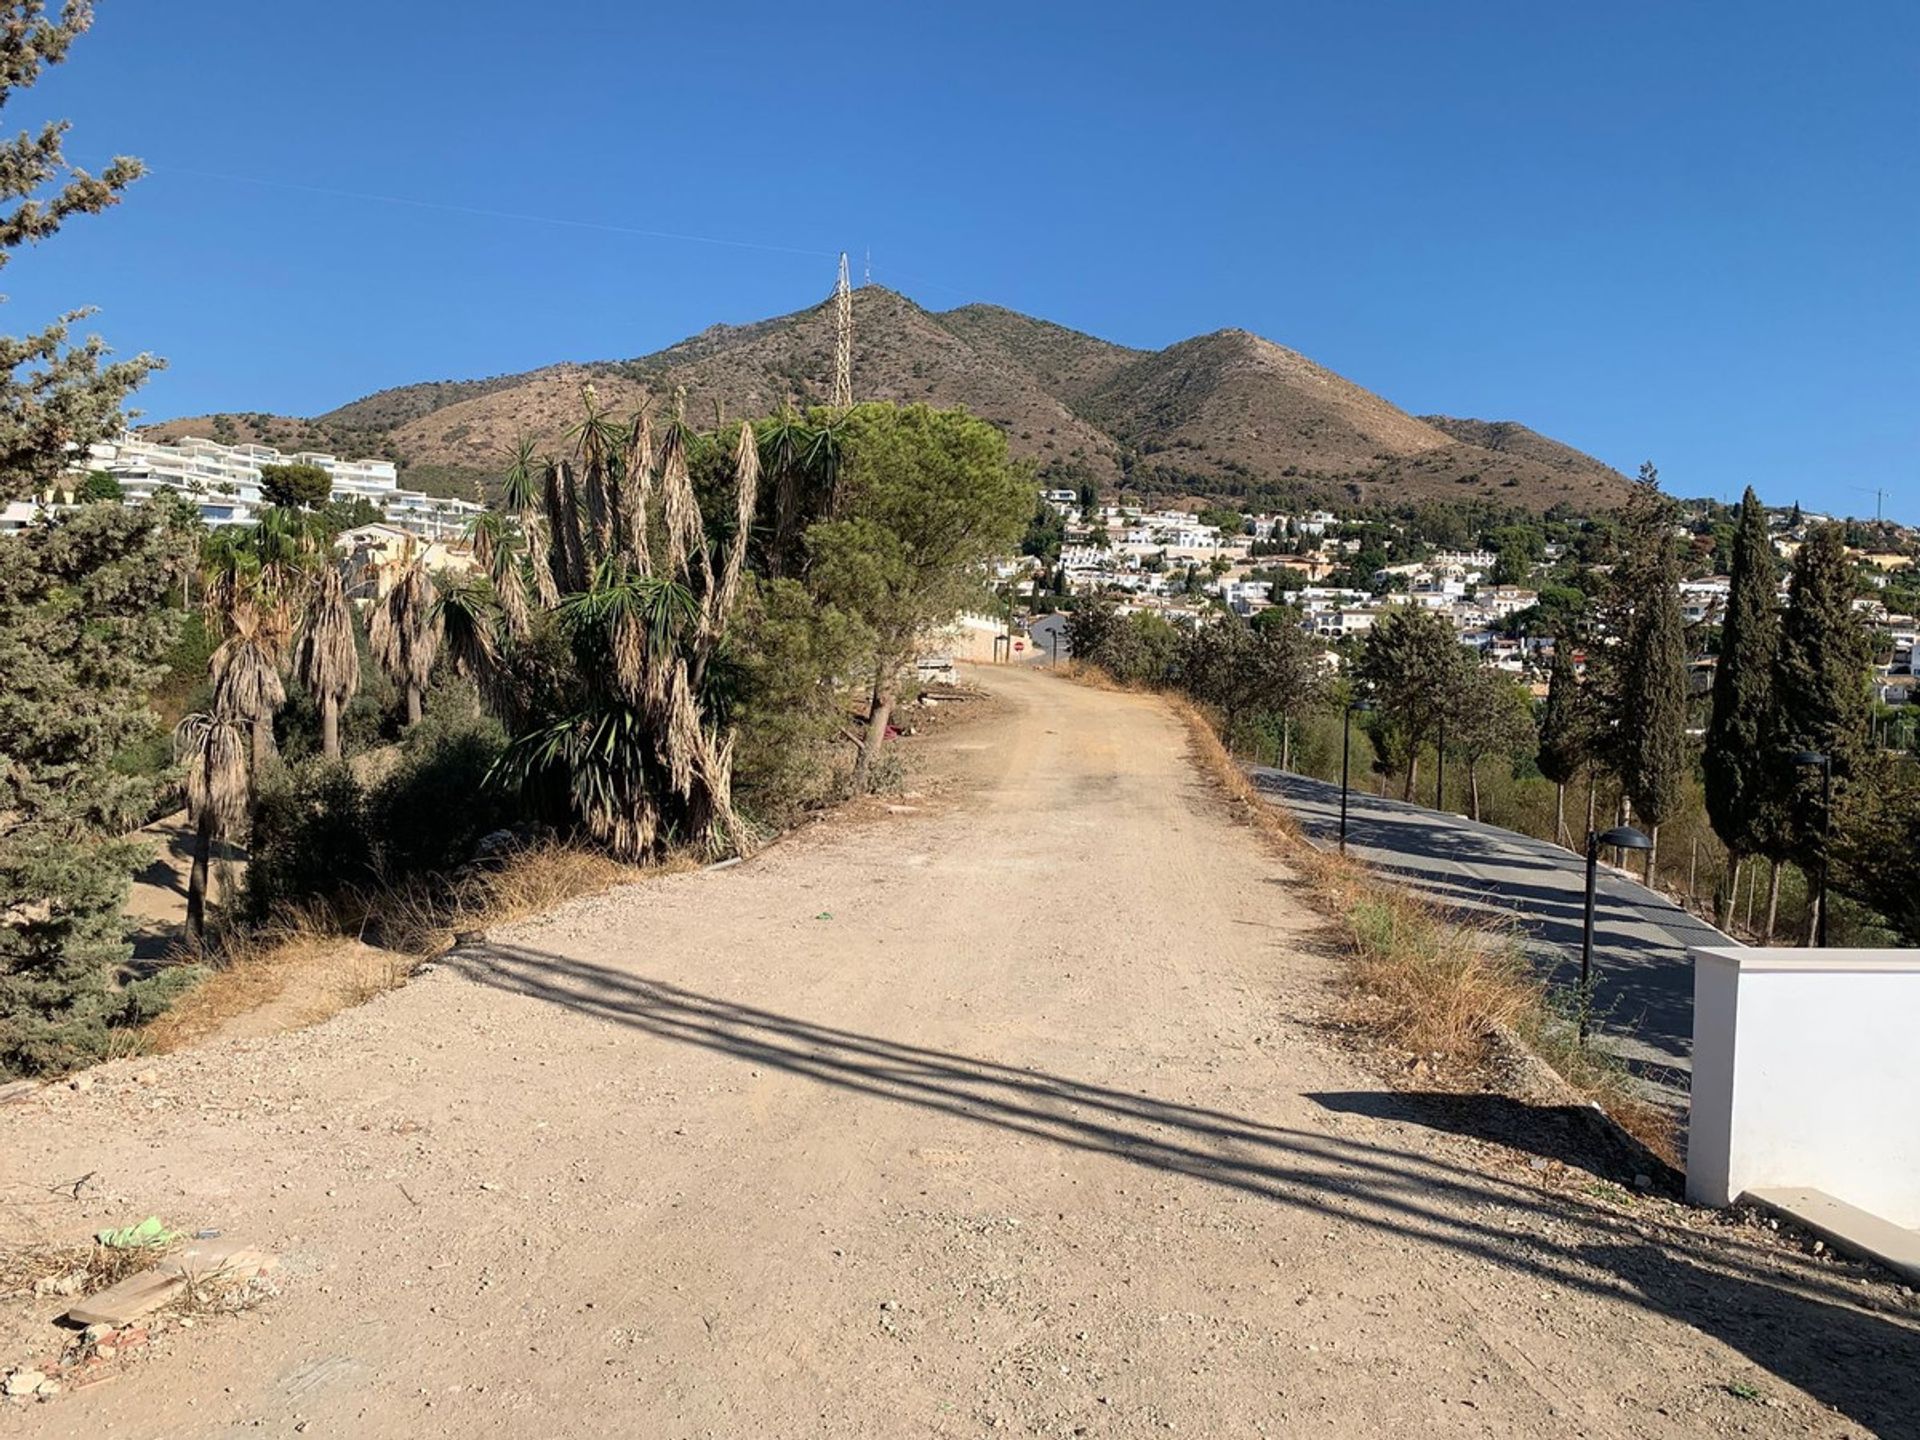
[(843, 339)]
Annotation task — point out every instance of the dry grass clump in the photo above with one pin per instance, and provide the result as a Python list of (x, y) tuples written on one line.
[(423, 916), (312, 961), (66, 1268), (1438, 988)]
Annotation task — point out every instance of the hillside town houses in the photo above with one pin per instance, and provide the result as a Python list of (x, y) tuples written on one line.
[(1174, 563)]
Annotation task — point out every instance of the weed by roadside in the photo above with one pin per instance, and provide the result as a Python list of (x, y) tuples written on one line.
[(1426, 980)]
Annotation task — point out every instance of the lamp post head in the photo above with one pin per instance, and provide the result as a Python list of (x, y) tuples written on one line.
[(1811, 757), (1621, 837)]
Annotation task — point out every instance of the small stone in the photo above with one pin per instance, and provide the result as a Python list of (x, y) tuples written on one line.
[(81, 1083), (24, 1382), (47, 1389), (889, 1304), (147, 1077), (1643, 1182)]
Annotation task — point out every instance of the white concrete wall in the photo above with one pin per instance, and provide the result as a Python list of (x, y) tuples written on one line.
[(1806, 1072)]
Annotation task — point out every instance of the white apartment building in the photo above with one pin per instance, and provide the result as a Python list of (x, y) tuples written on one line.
[(223, 482)]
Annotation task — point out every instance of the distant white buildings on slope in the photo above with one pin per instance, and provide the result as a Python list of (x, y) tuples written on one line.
[(223, 483)]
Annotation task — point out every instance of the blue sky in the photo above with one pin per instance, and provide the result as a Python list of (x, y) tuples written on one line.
[(1685, 232)]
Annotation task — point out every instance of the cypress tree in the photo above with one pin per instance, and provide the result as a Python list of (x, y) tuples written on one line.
[(1649, 729), (1820, 689), (1742, 770)]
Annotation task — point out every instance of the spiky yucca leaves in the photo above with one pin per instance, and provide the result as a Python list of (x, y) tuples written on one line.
[(598, 442), (523, 500), (214, 755), (464, 608), (404, 633), (800, 458), (642, 763), (328, 662), (246, 675), (783, 446)]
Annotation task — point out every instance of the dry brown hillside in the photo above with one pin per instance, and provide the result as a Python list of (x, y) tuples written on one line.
[(1227, 416)]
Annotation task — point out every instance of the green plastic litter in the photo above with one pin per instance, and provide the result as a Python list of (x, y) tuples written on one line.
[(135, 1237), (824, 915)]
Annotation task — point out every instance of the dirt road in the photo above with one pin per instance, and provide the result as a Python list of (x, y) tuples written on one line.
[(1007, 1115)]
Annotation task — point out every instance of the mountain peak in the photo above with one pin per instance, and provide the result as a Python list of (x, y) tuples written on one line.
[(1228, 415)]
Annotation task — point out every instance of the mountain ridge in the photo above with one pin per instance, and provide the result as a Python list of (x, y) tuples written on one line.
[(1228, 416)]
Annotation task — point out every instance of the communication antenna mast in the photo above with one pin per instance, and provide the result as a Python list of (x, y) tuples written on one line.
[(866, 272), (842, 339), (1879, 498)]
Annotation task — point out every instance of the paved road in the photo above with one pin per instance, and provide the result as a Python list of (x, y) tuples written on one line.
[(1644, 994)]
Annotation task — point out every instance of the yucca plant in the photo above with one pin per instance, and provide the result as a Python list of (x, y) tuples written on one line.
[(641, 594)]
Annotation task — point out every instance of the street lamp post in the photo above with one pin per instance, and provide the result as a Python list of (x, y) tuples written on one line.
[(1346, 753), (1825, 762), (1623, 837), (1440, 768)]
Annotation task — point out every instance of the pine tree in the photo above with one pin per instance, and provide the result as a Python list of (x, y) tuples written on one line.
[(82, 625), (1820, 689), (1741, 760), (1413, 664)]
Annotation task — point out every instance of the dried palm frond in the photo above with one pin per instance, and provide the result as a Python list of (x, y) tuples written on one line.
[(679, 506), (746, 484), (636, 498), (540, 559), (214, 754), (246, 668), (462, 614), (403, 630), (328, 661), (683, 737)]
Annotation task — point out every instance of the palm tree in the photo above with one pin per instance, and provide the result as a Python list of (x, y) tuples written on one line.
[(246, 676), (404, 631), (216, 772), (328, 661)]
